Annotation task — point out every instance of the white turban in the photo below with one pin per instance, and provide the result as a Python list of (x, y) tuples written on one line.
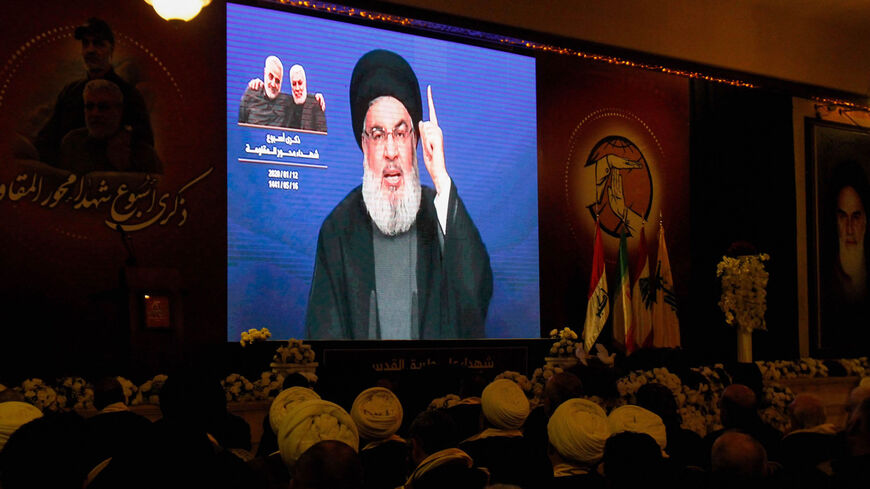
[(443, 458), (310, 422), (639, 420), (377, 413), (14, 415), (504, 404), (578, 431), (285, 401)]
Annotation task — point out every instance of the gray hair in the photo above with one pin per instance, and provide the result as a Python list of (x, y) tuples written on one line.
[(101, 85)]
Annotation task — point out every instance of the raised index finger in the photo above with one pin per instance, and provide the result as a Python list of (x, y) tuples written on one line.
[(432, 117)]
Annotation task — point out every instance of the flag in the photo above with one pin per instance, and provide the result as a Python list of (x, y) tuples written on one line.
[(642, 296), (597, 307), (623, 326), (666, 326)]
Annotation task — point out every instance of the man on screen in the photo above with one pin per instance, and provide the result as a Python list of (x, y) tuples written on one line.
[(396, 260), (306, 112), (264, 103)]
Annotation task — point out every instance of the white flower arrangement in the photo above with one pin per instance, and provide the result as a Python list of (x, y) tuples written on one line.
[(40, 394), (774, 406), (74, 393), (268, 385), (149, 392), (129, 389), (255, 336), (565, 344), (295, 351), (520, 379), (445, 402), (744, 290), (539, 379), (238, 389)]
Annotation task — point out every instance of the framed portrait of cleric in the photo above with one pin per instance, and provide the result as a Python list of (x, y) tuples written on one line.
[(410, 213), (838, 193)]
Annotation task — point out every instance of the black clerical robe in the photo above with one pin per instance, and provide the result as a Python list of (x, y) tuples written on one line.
[(454, 277)]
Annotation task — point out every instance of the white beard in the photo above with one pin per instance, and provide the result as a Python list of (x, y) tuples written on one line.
[(392, 214), (853, 263)]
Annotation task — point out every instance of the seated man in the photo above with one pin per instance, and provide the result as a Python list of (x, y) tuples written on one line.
[(104, 144), (578, 432)]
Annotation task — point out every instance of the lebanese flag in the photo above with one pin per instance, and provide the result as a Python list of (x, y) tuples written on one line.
[(666, 325), (641, 296), (598, 305), (623, 326)]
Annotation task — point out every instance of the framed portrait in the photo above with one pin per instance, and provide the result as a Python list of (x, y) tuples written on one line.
[(838, 196)]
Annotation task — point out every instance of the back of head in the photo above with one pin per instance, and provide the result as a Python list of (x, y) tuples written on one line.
[(449, 468), (806, 411), (107, 391), (638, 420), (434, 430), (737, 457), (194, 401), (310, 422), (660, 400), (578, 431), (632, 460), (328, 464), (46, 452), (858, 429), (504, 404), (561, 387), (377, 413), (739, 406)]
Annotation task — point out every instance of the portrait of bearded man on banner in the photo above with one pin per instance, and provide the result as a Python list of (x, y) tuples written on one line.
[(845, 293)]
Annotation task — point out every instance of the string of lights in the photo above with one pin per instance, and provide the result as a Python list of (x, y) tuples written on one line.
[(537, 46)]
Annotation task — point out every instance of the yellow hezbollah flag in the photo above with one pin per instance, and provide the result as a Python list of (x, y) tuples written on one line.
[(666, 326)]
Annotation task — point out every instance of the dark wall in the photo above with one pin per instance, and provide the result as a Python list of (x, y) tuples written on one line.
[(742, 189)]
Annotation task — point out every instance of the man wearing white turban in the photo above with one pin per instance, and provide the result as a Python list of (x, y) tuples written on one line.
[(284, 404), (501, 447), (14, 415), (639, 420), (377, 413), (577, 431), (310, 422), (447, 468)]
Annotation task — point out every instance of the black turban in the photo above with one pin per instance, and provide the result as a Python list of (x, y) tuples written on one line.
[(379, 73)]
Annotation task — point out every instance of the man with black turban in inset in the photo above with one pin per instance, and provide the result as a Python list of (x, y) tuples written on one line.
[(396, 260)]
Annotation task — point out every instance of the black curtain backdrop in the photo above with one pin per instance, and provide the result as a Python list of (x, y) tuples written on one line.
[(742, 189)]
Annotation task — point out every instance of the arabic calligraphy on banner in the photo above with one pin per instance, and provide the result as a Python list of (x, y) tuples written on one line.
[(132, 204), (413, 359)]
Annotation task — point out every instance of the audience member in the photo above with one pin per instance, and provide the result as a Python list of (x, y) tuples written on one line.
[(377, 413), (853, 468), (633, 460), (739, 410), (737, 461), (328, 464), (685, 447), (577, 431), (312, 421), (448, 468), (501, 447), (14, 415)]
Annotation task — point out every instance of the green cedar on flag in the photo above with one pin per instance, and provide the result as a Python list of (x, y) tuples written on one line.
[(598, 305)]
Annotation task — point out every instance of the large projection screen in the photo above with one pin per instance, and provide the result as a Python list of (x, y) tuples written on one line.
[(283, 182)]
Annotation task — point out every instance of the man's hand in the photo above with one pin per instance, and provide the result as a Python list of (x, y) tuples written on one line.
[(255, 84), (432, 141), (321, 101)]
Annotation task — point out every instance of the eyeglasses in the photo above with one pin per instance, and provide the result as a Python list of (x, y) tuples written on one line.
[(378, 135), (100, 106)]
